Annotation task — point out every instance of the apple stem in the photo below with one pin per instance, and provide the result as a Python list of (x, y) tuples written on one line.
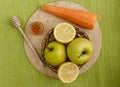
[(50, 49), (82, 54)]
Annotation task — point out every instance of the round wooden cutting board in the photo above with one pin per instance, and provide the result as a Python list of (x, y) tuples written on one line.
[(49, 21)]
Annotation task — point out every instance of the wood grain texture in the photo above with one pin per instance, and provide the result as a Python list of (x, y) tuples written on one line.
[(49, 21)]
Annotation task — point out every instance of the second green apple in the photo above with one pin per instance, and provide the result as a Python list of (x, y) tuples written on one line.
[(80, 50)]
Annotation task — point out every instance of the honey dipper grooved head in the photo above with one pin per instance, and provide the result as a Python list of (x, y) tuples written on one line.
[(15, 21)]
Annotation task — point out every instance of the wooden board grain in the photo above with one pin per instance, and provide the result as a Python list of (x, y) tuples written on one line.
[(49, 21)]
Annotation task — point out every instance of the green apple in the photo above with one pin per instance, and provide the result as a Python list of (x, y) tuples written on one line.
[(80, 50), (55, 53)]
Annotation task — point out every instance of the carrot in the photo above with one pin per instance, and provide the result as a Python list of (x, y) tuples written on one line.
[(79, 17)]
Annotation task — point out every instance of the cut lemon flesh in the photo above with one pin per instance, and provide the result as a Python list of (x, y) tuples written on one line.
[(64, 32), (68, 72)]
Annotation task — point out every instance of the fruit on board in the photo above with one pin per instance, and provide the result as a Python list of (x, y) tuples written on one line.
[(55, 53), (80, 50), (68, 72), (64, 32)]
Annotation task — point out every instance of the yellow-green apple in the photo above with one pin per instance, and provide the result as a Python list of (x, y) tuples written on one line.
[(80, 50), (55, 53)]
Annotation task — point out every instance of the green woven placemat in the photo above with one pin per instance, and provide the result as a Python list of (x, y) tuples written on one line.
[(17, 71)]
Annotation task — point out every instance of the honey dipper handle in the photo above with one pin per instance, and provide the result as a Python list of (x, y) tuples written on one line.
[(29, 43)]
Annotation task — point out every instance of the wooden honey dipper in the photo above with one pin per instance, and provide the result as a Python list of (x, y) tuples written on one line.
[(16, 23)]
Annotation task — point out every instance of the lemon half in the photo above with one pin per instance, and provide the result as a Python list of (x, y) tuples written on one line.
[(68, 72), (64, 32)]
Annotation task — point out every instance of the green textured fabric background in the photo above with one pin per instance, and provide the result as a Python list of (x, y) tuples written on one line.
[(17, 71)]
